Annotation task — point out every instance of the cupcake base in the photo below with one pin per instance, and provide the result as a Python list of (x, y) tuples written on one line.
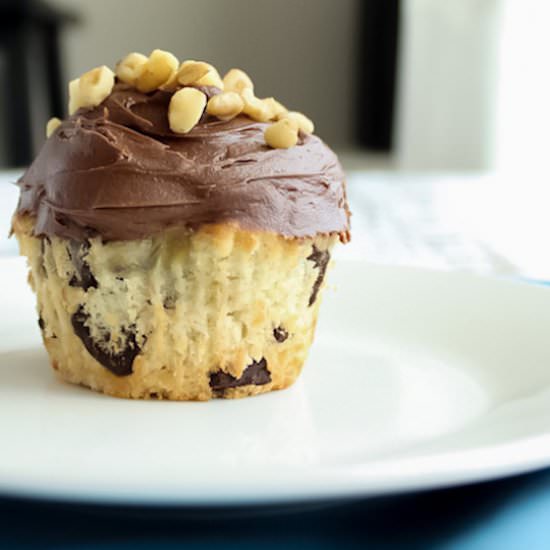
[(184, 315)]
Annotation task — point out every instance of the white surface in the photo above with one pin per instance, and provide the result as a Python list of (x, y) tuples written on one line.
[(447, 83), (9, 195), (521, 102), (490, 224), (416, 379)]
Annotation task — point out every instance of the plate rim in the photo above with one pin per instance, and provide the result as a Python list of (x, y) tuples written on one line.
[(438, 470), (339, 483)]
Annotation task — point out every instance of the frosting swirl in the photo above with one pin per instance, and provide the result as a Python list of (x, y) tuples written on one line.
[(118, 171)]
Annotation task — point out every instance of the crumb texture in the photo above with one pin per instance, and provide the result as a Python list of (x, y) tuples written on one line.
[(219, 312)]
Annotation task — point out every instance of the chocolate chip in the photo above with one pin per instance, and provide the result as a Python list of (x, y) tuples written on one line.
[(118, 363), (320, 259), (159, 395), (83, 278), (280, 334), (256, 374), (45, 239), (169, 302), (42, 268), (42, 325)]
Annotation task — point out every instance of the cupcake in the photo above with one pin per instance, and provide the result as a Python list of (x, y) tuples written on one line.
[(178, 231)]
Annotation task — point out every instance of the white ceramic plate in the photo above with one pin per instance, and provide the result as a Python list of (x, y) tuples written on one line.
[(417, 379)]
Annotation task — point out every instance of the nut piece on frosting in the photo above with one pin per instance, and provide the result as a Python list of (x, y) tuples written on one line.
[(161, 70), (277, 109), (236, 80), (198, 73), (73, 95), (185, 109), (225, 106), (91, 88), (157, 70), (255, 108), (52, 126), (191, 72), (304, 123), (128, 69), (282, 134), (96, 85), (212, 78)]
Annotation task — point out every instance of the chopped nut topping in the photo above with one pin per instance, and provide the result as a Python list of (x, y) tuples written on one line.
[(282, 134), (95, 86), (199, 73), (74, 93), (255, 108), (52, 126), (171, 85), (185, 110), (91, 88), (211, 78), (161, 70), (156, 71), (236, 80), (277, 109), (304, 124), (191, 72), (128, 69), (225, 106)]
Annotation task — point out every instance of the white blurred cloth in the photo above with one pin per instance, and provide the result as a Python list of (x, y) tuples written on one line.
[(488, 224), (9, 194), (448, 83)]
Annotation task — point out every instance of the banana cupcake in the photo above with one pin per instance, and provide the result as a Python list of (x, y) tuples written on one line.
[(178, 231)]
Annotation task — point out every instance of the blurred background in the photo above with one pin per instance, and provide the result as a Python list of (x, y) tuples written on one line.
[(454, 85), (438, 109)]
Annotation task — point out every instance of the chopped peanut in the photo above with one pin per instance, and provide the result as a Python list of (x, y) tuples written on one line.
[(185, 109), (282, 134), (156, 71), (128, 69), (161, 70), (276, 109), (236, 80), (52, 126), (212, 78), (303, 122), (74, 95), (199, 73), (225, 106), (95, 85), (255, 108), (91, 88), (191, 72)]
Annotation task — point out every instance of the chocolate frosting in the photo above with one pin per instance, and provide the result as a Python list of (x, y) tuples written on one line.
[(119, 171)]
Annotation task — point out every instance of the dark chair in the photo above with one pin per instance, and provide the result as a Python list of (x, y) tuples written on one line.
[(378, 42), (30, 76)]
